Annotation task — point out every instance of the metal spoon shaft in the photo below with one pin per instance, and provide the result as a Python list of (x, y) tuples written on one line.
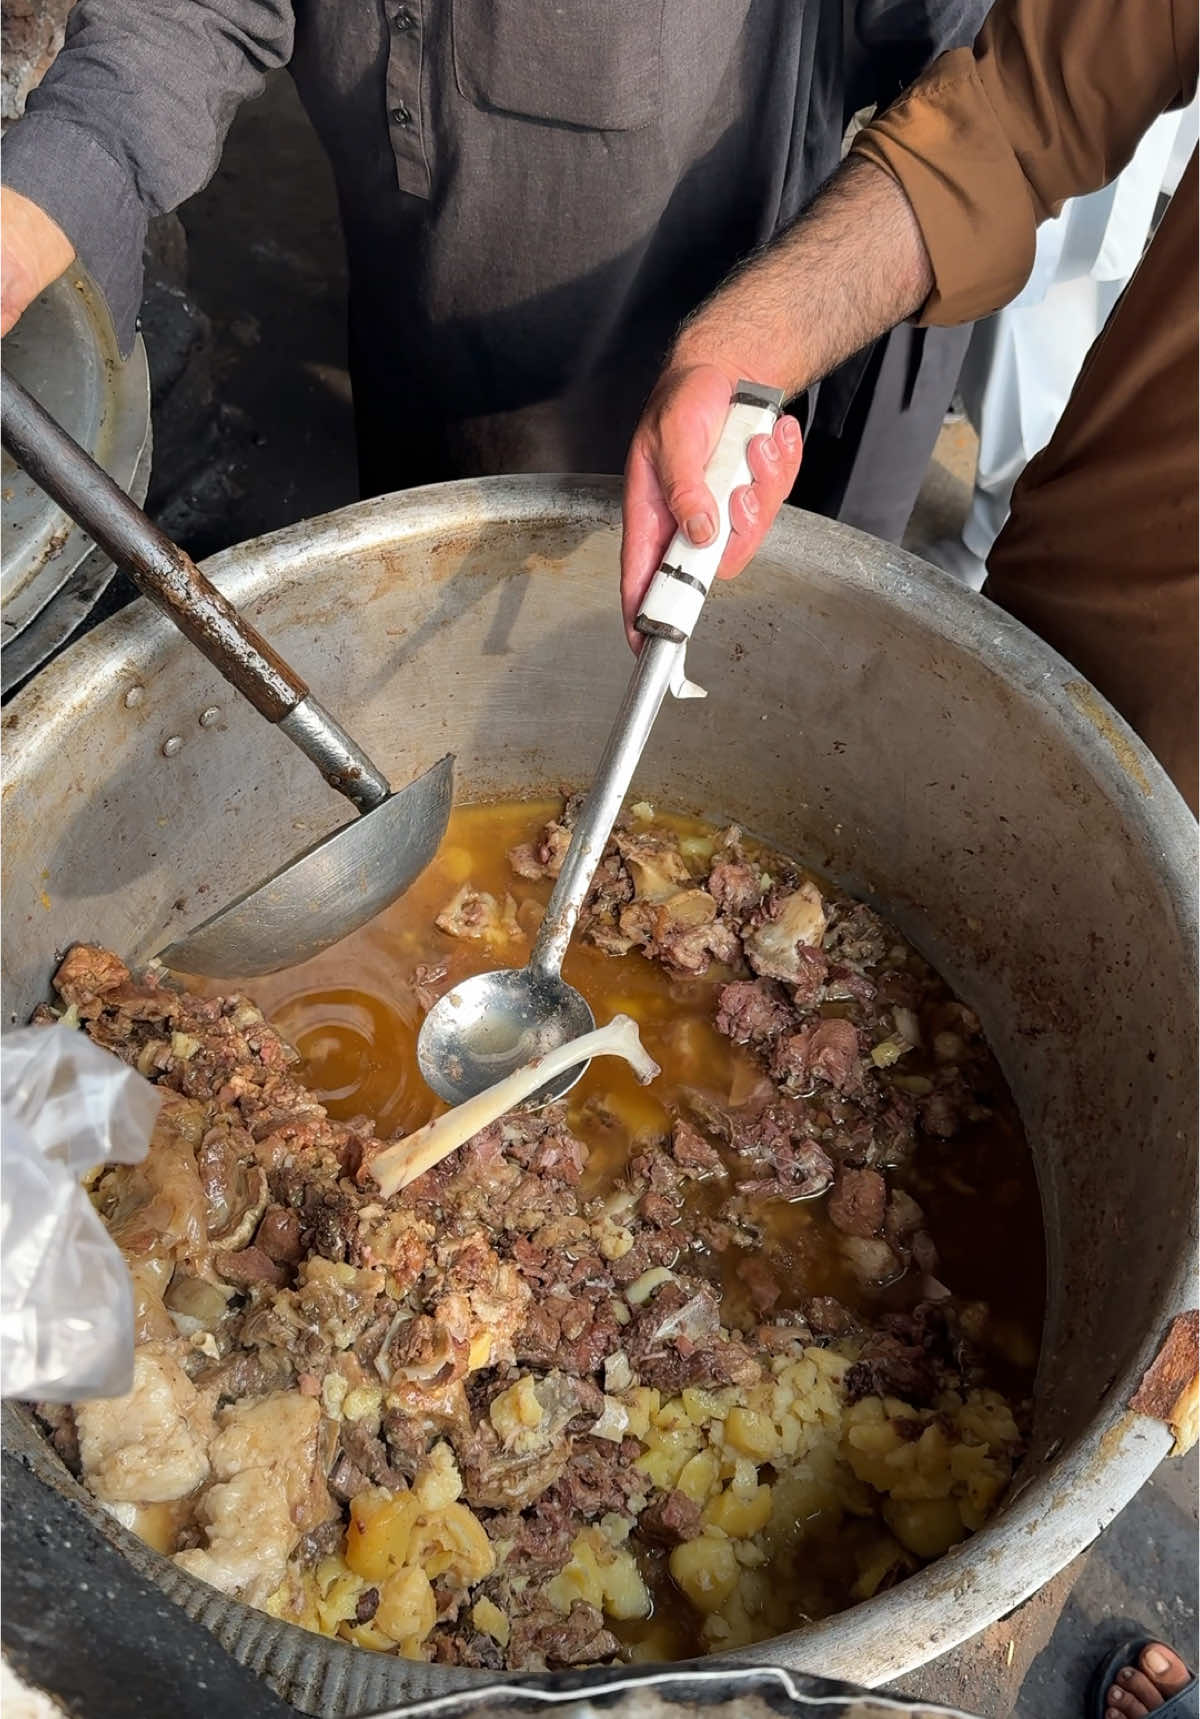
[(643, 699)]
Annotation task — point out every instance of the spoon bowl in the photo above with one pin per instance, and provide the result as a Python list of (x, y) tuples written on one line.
[(492, 1024)]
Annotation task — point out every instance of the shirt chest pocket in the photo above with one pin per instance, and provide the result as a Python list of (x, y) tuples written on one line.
[(596, 64)]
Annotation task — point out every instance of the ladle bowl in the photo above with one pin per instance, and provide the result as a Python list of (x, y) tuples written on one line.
[(493, 1023)]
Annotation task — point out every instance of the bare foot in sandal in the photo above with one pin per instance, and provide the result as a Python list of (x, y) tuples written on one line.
[(1143, 1688)]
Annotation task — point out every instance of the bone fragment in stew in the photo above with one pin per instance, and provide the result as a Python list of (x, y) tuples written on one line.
[(410, 1158)]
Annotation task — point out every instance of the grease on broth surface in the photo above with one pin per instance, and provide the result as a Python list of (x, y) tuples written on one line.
[(353, 1015)]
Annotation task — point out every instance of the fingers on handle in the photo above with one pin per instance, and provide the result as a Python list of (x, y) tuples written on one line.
[(774, 462), (647, 528)]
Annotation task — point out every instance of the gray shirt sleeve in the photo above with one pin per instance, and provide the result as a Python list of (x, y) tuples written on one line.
[(131, 118), (897, 39)]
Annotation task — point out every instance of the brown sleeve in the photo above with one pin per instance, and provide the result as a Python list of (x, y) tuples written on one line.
[(1050, 103)]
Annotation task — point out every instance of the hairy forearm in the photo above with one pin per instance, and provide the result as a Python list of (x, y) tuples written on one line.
[(850, 268)]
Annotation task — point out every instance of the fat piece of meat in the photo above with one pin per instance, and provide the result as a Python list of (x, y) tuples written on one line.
[(87, 975), (151, 1446), (794, 921), (268, 1490), (683, 931)]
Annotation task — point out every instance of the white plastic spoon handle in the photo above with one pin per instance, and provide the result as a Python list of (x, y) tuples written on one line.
[(418, 1152), (672, 605)]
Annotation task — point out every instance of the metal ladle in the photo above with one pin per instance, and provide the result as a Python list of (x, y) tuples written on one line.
[(348, 876), (489, 1025)]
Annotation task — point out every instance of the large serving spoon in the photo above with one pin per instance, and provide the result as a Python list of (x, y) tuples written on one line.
[(487, 1026), (348, 876)]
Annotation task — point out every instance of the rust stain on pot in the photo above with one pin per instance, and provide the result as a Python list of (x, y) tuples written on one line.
[(1089, 704), (1170, 1386)]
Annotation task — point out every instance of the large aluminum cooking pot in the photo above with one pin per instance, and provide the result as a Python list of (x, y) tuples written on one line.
[(864, 712)]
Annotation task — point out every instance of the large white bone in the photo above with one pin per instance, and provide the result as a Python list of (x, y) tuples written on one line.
[(416, 1153)]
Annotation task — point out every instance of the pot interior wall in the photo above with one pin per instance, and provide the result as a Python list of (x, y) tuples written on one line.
[(863, 713)]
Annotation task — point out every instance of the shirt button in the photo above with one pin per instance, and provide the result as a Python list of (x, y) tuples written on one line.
[(403, 20), (402, 116)]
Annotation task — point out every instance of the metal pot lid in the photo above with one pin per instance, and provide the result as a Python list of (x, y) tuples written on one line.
[(64, 350)]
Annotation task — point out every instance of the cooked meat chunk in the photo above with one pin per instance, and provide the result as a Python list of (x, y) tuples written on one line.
[(268, 1489), (682, 931), (158, 1206), (798, 1171), (599, 1480), (428, 982), (546, 1640), (829, 1052), (366, 1452), (250, 1266), (544, 857), (786, 1334), (466, 1646), (670, 1520), (611, 889), (426, 1351), (915, 1358), (676, 1340), (320, 1542), (794, 921), (152, 1445), (656, 866), (538, 1542), (829, 1318), (235, 1189), (246, 1373), (87, 975), (480, 917), (858, 1202), (736, 887), (753, 1011), (788, 1162), (495, 1479), (692, 1151), (812, 980), (858, 937), (280, 1235)]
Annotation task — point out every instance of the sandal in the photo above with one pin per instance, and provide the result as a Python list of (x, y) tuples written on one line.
[(1181, 1705)]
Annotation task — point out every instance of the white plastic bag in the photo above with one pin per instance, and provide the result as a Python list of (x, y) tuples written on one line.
[(66, 1301)]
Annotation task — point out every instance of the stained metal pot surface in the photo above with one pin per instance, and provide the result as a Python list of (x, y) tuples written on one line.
[(64, 351), (865, 713)]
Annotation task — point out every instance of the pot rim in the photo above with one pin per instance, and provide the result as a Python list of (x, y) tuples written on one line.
[(1053, 1516)]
